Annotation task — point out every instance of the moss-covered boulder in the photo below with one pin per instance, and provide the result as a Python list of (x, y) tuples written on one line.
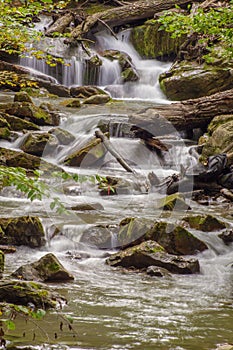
[(97, 99), (39, 143), (19, 124), (23, 230), (150, 253), (88, 155), (175, 239), (188, 79), (132, 231), (2, 262), (86, 91), (153, 43), (5, 134), (25, 292), (22, 96), (34, 113), (206, 223), (46, 269), (128, 70), (64, 137)]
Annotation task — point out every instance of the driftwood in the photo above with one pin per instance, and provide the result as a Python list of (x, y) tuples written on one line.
[(60, 24), (185, 115), (140, 10), (115, 154)]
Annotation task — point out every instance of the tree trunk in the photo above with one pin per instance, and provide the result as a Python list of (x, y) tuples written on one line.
[(140, 10), (185, 115)]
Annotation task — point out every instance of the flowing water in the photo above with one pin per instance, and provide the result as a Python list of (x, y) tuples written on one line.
[(111, 308)]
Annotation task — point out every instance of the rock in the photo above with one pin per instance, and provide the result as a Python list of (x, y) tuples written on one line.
[(97, 99), (87, 206), (25, 292), (132, 231), (128, 70), (64, 137), (226, 236), (3, 122), (18, 124), (5, 134), (150, 253), (39, 144), (157, 271), (173, 202), (86, 91), (55, 89), (7, 249), (22, 96), (100, 236), (46, 269), (175, 239), (72, 103), (34, 113), (89, 154), (225, 347), (187, 79), (2, 263), (153, 43), (23, 230), (206, 223)]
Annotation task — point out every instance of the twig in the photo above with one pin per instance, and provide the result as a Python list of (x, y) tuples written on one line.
[(107, 26)]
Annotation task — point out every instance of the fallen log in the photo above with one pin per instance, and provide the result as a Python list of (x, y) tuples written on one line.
[(185, 115), (140, 10), (60, 24), (115, 154)]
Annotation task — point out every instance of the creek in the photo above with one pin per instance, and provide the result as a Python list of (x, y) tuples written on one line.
[(111, 308)]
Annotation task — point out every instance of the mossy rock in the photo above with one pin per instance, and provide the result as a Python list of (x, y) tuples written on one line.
[(22, 96), (153, 43), (97, 99), (72, 103), (150, 253), (5, 134), (64, 137), (2, 263), (25, 292), (3, 122), (132, 231), (175, 239), (88, 155), (23, 230), (46, 269), (39, 144), (173, 202), (18, 124), (206, 223)]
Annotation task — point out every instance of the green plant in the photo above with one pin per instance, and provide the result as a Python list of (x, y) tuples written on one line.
[(213, 29)]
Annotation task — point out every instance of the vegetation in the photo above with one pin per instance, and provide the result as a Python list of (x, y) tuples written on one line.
[(213, 29)]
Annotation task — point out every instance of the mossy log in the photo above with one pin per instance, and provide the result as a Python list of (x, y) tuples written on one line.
[(185, 115), (132, 13)]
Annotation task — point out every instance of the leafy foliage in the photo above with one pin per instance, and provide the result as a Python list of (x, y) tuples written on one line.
[(213, 29)]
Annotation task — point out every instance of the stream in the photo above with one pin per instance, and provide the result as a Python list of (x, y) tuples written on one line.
[(113, 308)]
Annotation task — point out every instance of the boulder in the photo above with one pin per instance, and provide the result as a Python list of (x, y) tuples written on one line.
[(34, 113), (206, 223), (19, 124), (173, 202), (46, 269), (71, 102), (188, 79), (5, 134), (25, 292), (89, 154), (86, 91), (132, 231), (64, 137), (39, 144), (226, 236), (22, 96), (153, 43), (2, 263), (97, 99), (100, 236), (150, 253), (23, 230)]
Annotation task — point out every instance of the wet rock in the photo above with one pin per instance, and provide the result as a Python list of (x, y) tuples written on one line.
[(87, 206), (86, 91), (206, 223), (64, 137), (18, 124), (22, 96), (173, 202), (153, 43), (23, 230), (175, 239), (34, 113), (39, 143), (5, 134), (97, 99), (55, 89), (25, 292), (128, 70), (46, 269), (132, 231), (157, 271), (88, 155), (100, 236), (150, 253), (226, 236), (2, 263), (187, 79), (72, 103)]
